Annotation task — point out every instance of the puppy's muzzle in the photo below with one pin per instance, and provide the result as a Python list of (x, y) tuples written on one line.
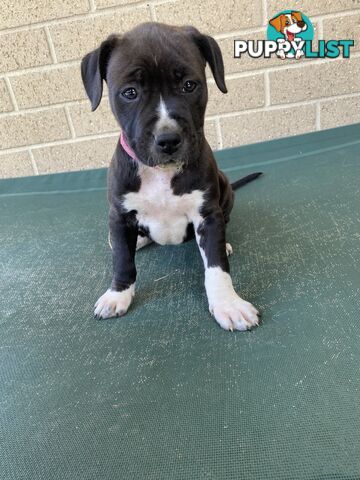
[(168, 143)]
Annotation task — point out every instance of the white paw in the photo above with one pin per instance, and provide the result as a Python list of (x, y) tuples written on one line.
[(229, 249), (114, 304), (230, 311), (234, 313), (299, 54)]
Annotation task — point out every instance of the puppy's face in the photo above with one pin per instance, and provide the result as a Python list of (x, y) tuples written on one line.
[(289, 24), (157, 88)]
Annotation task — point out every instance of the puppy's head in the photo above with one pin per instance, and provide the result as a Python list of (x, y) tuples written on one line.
[(157, 88), (289, 24)]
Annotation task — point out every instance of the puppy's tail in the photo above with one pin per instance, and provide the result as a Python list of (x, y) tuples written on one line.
[(243, 181)]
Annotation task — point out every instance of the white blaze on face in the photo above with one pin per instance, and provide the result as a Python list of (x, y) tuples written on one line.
[(165, 123), (293, 28), (289, 17)]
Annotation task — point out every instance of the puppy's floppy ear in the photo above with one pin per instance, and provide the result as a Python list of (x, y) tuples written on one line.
[(93, 70), (297, 15), (211, 52), (276, 22)]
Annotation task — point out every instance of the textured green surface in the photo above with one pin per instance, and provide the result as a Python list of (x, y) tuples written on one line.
[(164, 393)]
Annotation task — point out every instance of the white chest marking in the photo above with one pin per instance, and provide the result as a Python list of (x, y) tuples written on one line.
[(165, 215)]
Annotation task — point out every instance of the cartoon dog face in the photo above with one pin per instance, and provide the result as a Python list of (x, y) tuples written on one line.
[(289, 24)]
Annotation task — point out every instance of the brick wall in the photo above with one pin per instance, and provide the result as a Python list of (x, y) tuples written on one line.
[(45, 120)]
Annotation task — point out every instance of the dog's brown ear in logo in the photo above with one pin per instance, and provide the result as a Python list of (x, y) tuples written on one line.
[(277, 22), (297, 15)]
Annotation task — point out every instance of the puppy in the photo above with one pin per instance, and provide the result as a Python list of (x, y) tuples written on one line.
[(163, 182), (289, 24)]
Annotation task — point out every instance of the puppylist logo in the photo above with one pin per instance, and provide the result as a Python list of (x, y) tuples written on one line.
[(290, 34)]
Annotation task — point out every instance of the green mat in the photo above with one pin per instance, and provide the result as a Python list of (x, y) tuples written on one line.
[(164, 393)]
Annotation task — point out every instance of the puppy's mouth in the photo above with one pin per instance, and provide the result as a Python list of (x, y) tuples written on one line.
[(172, 165), (290, 36), (169, 162)]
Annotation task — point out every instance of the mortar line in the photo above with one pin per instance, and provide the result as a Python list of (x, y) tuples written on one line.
[(152, 12), (58, 143), (44, 68), (265, 12), (92, 5), (320, 29), (33, 162), (83, 16), (241, 32), (267, 88), (317, 113), (71, 63), (70, 122), (218, 133), (11, 93), (98, 12), (50, 44), (44, 108)]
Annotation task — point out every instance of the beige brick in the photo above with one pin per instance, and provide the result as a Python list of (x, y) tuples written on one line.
[(23, 49), (243, 93), (311, 7), (87, 122), (315, 81), (260, 126), (343, 28), (245, 62), (112, 3), (236, 65), (341, 111), (211, 16), (48, 87), (73, 40), (5, 100), (31, 128), (75, 156), (25, 12), (211, 135), (15, 165)]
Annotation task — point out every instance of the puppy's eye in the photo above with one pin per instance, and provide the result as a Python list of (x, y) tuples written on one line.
[(129, 93), (189, 86), (287, 22)]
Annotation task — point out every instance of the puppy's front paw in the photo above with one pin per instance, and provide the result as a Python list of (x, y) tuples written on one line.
[(234, 313), (114, 304)]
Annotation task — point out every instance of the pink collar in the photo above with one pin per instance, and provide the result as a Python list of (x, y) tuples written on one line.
[(127, 147)]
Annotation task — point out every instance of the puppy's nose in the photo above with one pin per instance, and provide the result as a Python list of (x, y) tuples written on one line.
[(301, 24), (168, 142)]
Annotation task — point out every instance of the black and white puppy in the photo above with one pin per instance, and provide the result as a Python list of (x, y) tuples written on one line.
[(163, 183)]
